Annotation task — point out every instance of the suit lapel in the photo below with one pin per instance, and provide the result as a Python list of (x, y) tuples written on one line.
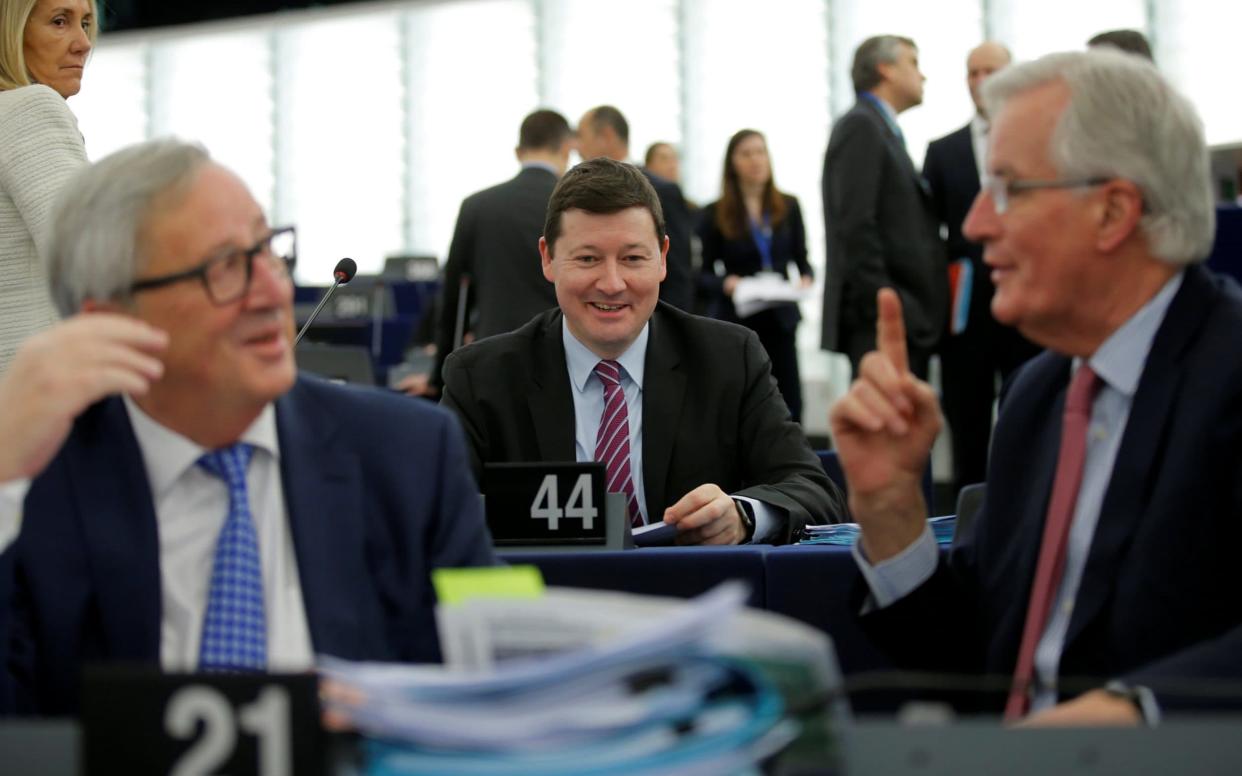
[(897, 145), (551, 405), (1132, 478), (118, 524), (664, 389), (322, 489)]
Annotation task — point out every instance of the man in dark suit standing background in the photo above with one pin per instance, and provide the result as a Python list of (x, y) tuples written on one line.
[(496, 242), (880, 228), (682, 410), (976, 350), (232, 516), (603, 131)]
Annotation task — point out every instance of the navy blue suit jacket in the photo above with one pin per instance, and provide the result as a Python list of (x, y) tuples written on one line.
[(1159, 602), (378, 491)]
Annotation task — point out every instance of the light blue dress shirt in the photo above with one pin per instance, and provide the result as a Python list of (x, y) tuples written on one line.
[(588, 394), (1119, 363)]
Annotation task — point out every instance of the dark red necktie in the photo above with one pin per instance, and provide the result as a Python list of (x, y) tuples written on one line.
[(1048, 572), (612, 442)]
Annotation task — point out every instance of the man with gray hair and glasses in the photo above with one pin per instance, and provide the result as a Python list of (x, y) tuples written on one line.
[(235, 516), (1103, 565)]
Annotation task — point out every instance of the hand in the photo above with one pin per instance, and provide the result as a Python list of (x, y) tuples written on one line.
[(1096, 708), (417, 385), (806, 281), (59, 372), (730, 285), (706, 515), (883, 430)]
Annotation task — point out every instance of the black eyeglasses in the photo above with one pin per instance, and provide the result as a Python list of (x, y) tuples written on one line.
[(226, 276)]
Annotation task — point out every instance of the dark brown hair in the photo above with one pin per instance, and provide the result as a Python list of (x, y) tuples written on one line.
[(543, 130), (731, 211), (601, 186)]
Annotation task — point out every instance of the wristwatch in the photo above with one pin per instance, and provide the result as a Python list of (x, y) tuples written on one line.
[(1143, 698), (746, 513)]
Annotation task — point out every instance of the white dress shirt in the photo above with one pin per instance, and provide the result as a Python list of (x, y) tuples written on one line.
[(191, 506), (1119, 363), (979, 143), (588, 395), (12, 494)]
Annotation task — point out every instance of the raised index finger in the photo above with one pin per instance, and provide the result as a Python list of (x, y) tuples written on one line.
[(890, 329)]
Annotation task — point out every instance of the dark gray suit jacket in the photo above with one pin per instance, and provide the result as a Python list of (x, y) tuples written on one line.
[(881, 232), (711, 413), (678, 286), (496, 243)]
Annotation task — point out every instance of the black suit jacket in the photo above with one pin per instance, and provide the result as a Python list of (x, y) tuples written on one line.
[(678, 286), (953, 177), (496, 243), (377, 494), (1162, 575), (711, 413), (881, 232), (741, 257)]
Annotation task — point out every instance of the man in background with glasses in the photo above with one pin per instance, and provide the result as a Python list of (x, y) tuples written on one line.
[(235, 516), (1103, 565)]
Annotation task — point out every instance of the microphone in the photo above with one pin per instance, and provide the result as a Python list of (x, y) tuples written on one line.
[(344, 272)]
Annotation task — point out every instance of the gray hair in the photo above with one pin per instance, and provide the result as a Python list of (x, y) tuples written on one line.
[(873, 52), (1124, 120), (97, 245)]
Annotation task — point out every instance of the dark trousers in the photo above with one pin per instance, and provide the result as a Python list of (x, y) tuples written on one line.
[(973, 366), (780, 341)]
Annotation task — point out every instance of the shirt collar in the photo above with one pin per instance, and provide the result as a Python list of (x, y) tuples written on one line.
[(581, 361), (540, 166), (168, 455), (1119, 361), (879, 101), (979, 125)]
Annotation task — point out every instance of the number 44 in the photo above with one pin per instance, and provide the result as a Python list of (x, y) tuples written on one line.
[(580, 506)]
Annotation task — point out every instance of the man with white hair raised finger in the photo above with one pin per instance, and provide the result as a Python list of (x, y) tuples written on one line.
[(1105, 554)]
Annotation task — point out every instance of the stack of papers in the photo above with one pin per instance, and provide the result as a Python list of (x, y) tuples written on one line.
[(846, 534), (581, 682), (766, 289)]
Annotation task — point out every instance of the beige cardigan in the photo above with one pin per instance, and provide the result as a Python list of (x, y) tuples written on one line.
[(40, 148)]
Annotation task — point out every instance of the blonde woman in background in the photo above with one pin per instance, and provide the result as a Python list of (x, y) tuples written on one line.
[(43, 50)]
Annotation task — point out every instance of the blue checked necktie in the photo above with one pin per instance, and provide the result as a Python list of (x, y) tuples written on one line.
[(612, 441), (234, 627)]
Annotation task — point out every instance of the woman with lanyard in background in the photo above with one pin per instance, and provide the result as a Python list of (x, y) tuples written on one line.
[(755, 228), (43, 49)]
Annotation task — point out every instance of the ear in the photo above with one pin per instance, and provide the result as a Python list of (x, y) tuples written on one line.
[(545, 253), (664, 258), (1119, 214)]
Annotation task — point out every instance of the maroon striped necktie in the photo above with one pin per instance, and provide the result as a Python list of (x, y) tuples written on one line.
[(1051, 565), (612, 442)]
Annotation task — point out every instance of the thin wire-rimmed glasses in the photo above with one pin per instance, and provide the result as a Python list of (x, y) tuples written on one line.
[(226, 276), (1001, 189)]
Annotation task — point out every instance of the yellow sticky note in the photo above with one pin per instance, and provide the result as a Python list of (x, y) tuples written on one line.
[(456, 585)]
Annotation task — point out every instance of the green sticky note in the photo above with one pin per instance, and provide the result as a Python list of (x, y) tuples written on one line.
[(454, 586)]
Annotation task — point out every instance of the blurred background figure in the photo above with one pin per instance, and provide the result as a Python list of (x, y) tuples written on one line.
[(604, 131), (43, 50), (662, 160), (753, 228), (976, 351), (1129, 41), (877, 218), (496, 246)]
